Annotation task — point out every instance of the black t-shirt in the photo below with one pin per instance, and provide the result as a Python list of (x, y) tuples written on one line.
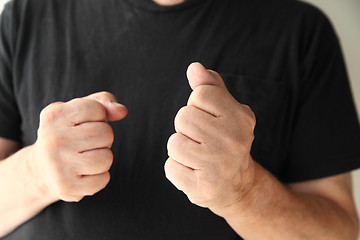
[(280, 57)]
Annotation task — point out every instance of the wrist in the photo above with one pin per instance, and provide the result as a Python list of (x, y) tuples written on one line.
[(255, 197), (266, 192), (35, 180), (244, 195)]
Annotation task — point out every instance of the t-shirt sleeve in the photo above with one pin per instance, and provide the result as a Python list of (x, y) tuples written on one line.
[(10, 119), (326, 134)]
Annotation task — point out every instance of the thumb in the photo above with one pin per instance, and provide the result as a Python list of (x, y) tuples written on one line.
[(198, 75), (114, 110)]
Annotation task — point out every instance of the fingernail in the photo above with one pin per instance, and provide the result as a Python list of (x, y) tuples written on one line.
[(116, 104)]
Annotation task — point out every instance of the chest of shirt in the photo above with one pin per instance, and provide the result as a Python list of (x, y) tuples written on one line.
[(142, 59)]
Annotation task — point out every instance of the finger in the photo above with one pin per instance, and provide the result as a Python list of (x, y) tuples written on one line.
[(181, 176), (114, 110), (213, 100), (185, 151), (91, 135), (94, 161), (195, 124), (209, 91), (198, 75), (91, 184), (81, 110)]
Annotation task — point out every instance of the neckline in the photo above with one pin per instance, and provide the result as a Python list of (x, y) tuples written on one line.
[(149, 5)]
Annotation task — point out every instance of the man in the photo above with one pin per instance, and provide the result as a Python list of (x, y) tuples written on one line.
[(278, 169)]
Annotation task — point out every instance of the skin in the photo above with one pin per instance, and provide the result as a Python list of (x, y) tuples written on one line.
[(70, 159), (210, 161), (167, 2)]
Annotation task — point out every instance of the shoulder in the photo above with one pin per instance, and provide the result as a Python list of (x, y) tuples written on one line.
[(295, 13), (290, 8), (282, 17), (23, 18), (299, 22), (28, 11), (305, 14)]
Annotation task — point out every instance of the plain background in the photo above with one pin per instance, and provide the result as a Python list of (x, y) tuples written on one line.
[(345, 16)]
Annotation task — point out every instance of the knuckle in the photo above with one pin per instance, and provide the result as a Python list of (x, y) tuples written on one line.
[(101, 184), (199, 93), (249, 116), (245, 147), (50, 113), (107, 132), (182, 117), (108, 154), (76, 101), (181, 112), (204, 92), (98, 109), (105, 180), (167, 169), (94, 106), (103, 96), (108, 159), (171, 143), (106, 95), (88, 104), (252, 138), (246, 117)]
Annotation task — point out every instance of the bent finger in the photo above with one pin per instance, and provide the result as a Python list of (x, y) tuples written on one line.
[(182, 177), (185, 151), (94, 161), (91, 184)]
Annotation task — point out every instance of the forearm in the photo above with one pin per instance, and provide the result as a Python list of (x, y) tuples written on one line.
[(70, 159), (273, 211), (21, 196)]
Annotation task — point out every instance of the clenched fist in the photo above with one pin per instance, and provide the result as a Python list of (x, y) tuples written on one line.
[(72, 155), (209, 155)]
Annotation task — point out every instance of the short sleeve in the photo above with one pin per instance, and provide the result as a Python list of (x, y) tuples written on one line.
[(10, 119), (326, 135)]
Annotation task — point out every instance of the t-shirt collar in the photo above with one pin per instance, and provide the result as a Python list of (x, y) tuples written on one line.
[(149, 5)]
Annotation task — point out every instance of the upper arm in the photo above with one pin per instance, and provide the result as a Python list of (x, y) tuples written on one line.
[(8, 147), (337, 188)]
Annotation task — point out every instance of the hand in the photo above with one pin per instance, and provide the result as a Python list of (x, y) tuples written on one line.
[(209, 155), (71, 157)]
